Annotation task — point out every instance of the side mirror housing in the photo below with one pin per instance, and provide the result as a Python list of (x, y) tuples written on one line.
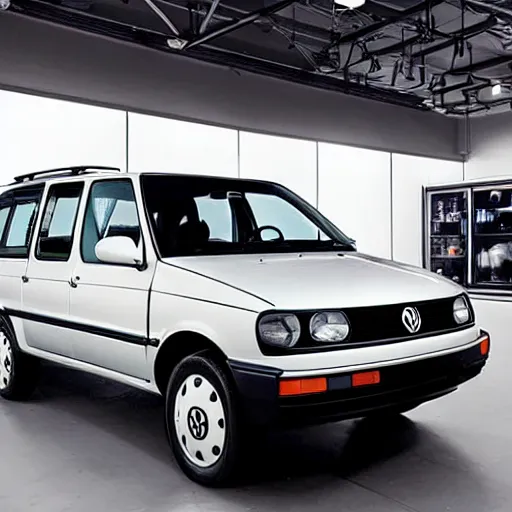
[(119, 250)]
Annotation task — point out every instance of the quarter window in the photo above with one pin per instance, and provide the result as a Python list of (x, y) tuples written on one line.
[(4, 216), (55, 239), (111, 211)]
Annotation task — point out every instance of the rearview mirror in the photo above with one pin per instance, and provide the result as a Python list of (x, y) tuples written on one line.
[(120, 250)]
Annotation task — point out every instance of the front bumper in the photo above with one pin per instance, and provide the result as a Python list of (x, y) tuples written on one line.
[(401, 385)]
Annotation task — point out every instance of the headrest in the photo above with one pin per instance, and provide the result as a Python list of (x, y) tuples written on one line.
[(192, 235)]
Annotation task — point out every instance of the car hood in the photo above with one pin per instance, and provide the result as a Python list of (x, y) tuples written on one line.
[(320, 280)]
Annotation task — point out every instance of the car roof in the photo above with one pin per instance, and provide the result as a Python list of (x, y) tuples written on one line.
[(94, 172)]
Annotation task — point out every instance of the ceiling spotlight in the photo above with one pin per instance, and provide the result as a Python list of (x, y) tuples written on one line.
[(496, 90), (350, 4), (174, 43)]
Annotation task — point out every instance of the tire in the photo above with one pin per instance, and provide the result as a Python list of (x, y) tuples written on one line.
[(19, 372), (202, 421)]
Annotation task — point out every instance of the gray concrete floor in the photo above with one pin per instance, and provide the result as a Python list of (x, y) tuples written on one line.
[(84, 444)]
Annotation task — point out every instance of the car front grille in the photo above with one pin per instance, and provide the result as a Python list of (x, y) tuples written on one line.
[(383, 323), (375, 325)]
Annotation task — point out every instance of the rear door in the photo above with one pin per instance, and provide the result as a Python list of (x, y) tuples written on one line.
[(46, 287), (18, 213)]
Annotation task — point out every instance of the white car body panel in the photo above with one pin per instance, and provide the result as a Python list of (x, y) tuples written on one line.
[(321, 280)]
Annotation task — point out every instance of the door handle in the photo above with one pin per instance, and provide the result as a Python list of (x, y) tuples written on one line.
[(73, 282), (24, 279)]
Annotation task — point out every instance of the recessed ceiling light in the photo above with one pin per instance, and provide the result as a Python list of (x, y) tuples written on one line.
[(350, 4), (496, 90)]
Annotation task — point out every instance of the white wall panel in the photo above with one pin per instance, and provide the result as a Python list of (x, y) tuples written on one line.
[(157, 144), (290, 162), (39, 133), (491, 141), (354, 188), (410, 174)]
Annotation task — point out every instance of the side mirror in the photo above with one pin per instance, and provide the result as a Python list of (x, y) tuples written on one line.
[(120, 250)]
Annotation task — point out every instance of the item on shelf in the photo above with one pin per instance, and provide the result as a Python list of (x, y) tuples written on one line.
[(482, 260), (440, 211), (505, 221), (453, 247), (454, 213), (495, 196), (456, 279)]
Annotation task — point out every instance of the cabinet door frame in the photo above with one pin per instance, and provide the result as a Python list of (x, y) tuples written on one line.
[(427, 225)]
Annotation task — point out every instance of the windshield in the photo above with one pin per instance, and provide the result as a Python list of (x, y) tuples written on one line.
[(198, 215)]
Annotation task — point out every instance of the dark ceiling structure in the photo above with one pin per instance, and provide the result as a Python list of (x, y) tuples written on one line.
[(453, 57)]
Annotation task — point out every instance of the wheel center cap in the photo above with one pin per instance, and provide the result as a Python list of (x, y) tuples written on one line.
[(197, 423)]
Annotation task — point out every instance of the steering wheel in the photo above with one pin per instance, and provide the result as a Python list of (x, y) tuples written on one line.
[(257, 234)]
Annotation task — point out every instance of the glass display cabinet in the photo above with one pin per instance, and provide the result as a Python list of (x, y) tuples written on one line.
[(468, 234)]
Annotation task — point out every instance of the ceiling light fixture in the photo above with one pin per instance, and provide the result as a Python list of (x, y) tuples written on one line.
[(4, 5), (496, 90), (350, 4), (175, 43)]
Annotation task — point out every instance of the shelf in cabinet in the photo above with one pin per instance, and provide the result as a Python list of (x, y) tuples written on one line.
[(492, 234), (447, 236), (447, 257)]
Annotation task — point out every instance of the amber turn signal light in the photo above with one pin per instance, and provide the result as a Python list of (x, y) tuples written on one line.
[(290, 387), (365, 378), (484, 346)]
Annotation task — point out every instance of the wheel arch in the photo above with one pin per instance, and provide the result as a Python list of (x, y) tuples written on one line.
[(175, 348)]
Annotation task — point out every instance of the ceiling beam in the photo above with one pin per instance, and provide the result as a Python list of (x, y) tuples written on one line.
[(472, 31), (452, 37), (489, 7), (242, 22), (460, 87), (208, 16), (480, 66), (170, 25), (389, 20)]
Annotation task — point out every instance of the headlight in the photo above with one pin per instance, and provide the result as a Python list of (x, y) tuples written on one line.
[(460, 310), (329, 327), (279, 329)]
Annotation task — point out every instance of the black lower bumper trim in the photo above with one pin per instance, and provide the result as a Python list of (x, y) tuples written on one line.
[(401, 387)]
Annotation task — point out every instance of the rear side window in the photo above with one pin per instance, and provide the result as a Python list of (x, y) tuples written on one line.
[(18, 213), (55, 239)]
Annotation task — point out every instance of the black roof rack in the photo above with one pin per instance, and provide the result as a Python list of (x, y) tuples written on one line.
[(73, 171)]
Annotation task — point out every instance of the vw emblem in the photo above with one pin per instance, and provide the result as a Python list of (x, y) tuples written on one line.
[(197, 423), (411, 319)]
